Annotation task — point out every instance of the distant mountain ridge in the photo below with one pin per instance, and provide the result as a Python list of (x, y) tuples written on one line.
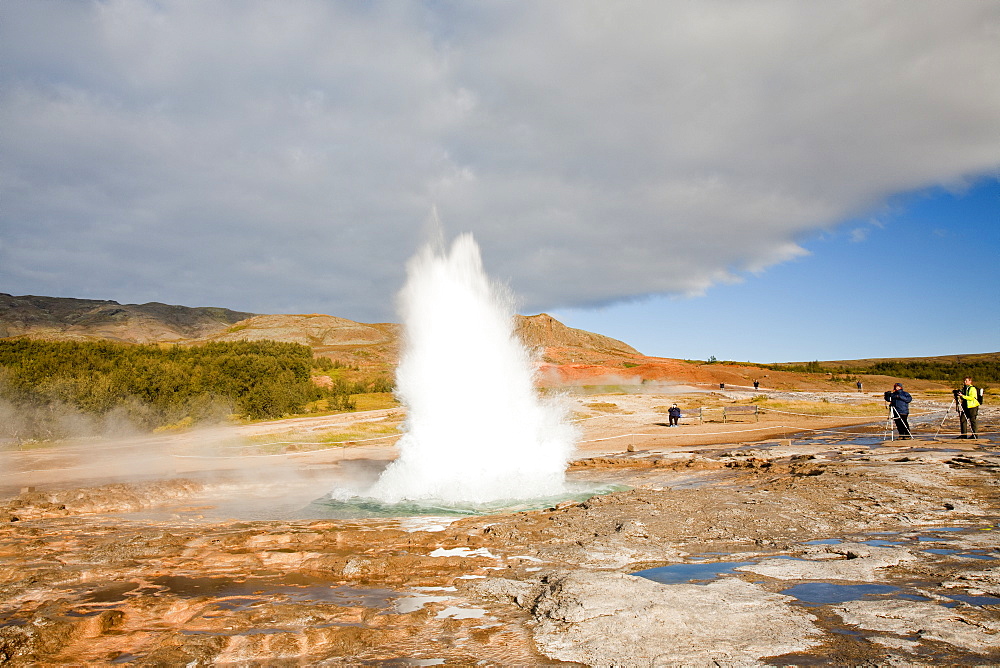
[(64, 318)]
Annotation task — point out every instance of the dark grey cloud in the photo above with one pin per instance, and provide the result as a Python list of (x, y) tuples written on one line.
[(284, 157)]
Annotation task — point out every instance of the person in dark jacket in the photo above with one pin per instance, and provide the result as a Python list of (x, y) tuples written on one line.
[(899, 409), (674, 414)]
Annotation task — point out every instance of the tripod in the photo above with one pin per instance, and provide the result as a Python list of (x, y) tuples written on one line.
[(960, 410), (890, 424)]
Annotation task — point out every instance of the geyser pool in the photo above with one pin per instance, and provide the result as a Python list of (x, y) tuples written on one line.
[(476, 431)]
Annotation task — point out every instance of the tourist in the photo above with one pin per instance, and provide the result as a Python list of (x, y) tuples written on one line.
[(968, 398), (674, 415), (899, 409), (756, 383), (859, 386)]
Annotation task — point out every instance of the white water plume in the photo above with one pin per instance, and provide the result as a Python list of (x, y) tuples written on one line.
[(476, 430)]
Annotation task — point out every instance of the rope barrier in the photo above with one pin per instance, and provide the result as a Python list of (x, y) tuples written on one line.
[(850, 417), (717, 433)]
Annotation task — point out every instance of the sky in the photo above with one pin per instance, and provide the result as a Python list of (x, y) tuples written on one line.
[(755, 181)]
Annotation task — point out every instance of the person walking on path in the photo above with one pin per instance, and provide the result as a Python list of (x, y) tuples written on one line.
[(899, 407), (673, 414), (859, 386), (968, 396)]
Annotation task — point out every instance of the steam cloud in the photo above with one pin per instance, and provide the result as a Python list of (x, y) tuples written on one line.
[(476, 430)]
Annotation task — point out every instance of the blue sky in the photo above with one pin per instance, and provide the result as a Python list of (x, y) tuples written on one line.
[(917, 277), (765, 180)]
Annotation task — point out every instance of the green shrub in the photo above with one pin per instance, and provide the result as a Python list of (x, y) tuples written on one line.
[(153, 386)]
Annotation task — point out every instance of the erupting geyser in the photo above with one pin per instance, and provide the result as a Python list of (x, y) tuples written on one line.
[(476, 429)]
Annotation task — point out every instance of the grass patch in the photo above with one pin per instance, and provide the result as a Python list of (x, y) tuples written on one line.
[(368, 401), (605, 406), (824, 408), (373, 401)]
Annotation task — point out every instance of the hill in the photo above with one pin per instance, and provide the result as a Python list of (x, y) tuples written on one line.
[(569, 356), (350, 342), (544, 331), (63, 319)]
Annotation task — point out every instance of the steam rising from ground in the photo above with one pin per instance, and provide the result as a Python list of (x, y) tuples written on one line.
[(477, 430)]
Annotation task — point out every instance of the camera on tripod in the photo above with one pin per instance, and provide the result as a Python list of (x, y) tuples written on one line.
[(887, 396)]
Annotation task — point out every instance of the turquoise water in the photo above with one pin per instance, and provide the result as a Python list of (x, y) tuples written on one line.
[(359, 507)]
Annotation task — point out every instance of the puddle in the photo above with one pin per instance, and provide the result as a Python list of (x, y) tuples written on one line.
[(413, 603), (974, 600), (457, 612), (237, 603), (824, 593), (690, 573), (968, 554), (111, 594), (245, 632), (240, 594)]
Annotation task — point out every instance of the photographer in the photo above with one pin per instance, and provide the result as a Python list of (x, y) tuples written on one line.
[(899, 409), (967, 400)]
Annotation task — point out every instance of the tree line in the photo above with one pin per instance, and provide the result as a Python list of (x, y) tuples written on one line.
[(154, 385), (981, 370)]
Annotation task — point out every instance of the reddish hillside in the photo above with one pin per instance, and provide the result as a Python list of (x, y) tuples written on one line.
[(597, 370)]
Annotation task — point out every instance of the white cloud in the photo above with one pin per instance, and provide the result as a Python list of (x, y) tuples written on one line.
[(284, 156), (859, 234)]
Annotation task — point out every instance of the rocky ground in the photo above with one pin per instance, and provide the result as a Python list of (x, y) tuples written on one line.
[(790, 539)]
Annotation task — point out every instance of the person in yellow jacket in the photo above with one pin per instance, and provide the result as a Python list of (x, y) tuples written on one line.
[(969, 398)]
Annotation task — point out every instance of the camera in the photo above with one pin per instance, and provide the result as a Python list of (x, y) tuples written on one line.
[(888, 396)]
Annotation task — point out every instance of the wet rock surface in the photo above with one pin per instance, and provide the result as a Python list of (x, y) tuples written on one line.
[(835, 552)]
